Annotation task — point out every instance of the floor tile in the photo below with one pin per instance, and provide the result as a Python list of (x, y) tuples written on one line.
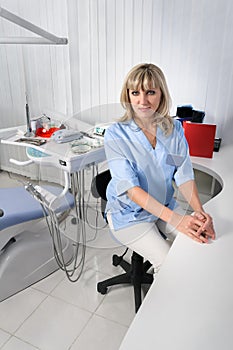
[(17, 344), (101, 239), (118, 305), (47, 284), (82, 293), (100, 259), (99, 334), (54, 325), (3, 337), (16, 309)]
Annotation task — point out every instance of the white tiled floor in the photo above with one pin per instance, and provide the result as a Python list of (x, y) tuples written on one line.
[(56, 314)]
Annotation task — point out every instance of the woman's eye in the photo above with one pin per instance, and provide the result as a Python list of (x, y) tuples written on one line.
[(151, 92), (135, 93)]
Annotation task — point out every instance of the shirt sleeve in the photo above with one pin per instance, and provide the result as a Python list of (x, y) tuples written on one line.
[(122, 167), (184, 171)]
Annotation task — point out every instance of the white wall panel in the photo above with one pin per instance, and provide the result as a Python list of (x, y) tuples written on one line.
[(111, 51), (74, 66), (137, 19), (94, 54), (120, 52), (128, 34), (102, 50), (84, 40)]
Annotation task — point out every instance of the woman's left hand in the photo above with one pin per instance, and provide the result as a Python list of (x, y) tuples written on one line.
[(207, 229)]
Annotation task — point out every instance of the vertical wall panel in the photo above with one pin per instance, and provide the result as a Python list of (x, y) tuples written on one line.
[(120, 40), (128, 35), (111, 50), (156, 31), (94, 52), (102, 51), (220, 69), (84, 39), (137, 30), (73, 67), (147, 12)]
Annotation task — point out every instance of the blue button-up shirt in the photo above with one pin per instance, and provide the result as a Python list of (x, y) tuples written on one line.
[(134, 162)]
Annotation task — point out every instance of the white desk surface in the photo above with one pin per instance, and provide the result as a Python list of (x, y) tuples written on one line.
[(190, 304), (61, 155)]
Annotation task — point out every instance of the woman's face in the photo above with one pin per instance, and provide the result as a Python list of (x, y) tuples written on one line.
[(145, 103)]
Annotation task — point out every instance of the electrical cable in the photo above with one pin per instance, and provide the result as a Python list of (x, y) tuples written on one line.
[(96, 226), (52, 220)]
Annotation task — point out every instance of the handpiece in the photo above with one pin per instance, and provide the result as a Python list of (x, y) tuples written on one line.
[(29, 128)]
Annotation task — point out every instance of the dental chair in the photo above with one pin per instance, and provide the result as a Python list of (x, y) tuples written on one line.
[(26, 246)]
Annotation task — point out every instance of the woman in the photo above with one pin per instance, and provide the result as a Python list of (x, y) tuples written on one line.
[(146, 151)]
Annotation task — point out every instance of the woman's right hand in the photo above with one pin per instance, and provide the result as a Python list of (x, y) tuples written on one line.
[(191, 225), (207, 227)]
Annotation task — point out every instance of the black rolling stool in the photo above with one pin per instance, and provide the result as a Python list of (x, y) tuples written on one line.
[(136, 272)]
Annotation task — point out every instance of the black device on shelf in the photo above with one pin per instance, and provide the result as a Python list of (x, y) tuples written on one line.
[(217, 144), (189, 114)]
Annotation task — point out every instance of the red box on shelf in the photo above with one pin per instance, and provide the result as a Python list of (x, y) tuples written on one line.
[(200, 138)]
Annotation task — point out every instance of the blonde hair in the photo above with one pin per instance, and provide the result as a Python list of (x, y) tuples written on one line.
[(147, 76)]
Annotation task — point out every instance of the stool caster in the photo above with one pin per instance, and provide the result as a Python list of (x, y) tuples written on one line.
[(116, 260), (101, 289)]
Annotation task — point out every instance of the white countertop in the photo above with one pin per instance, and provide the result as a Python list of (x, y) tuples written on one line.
[(190, 304)]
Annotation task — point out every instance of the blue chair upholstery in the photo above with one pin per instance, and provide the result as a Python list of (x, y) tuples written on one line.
[(19, 206)]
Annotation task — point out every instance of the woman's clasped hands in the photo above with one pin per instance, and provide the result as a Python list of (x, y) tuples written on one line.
[(198, 226)]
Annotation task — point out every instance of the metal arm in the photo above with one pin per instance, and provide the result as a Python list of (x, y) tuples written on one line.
[(45, 37)]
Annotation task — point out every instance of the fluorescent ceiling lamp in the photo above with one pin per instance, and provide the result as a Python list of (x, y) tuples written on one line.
[(44, 36)]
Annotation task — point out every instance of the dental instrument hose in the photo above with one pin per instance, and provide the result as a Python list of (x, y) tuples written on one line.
[(47, 201)]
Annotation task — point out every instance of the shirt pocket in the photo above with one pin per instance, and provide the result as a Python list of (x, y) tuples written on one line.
[(174, 160)]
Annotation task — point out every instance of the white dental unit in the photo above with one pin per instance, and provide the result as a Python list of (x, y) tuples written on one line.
[(30, 247)]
